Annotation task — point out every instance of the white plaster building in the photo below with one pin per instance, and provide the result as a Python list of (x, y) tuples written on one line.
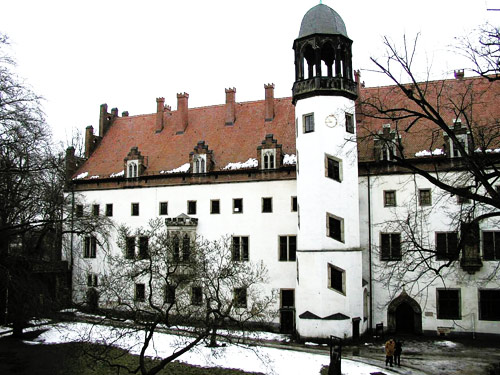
[(292, 180)]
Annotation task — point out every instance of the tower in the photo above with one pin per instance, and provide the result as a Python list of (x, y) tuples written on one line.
[(329, 290)]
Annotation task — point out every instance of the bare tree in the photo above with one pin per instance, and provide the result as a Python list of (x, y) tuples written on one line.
[(445, 132), (177, 282)]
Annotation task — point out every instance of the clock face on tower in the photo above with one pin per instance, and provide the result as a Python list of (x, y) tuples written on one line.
[(331, 120)]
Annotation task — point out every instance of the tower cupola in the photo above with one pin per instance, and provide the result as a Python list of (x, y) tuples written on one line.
[(323, 56)]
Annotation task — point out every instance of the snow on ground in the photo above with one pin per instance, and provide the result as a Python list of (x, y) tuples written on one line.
[(257, 359)]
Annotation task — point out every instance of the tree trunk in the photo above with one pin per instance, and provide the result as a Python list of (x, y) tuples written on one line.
[(213, 338)]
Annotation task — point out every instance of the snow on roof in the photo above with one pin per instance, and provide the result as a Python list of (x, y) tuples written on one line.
[(250, 163), (81, 175), (290, 159), (182, 169), (117, 174), (425, 153)]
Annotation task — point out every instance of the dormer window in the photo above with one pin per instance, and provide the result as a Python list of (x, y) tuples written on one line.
[(268, 158), (454, 150), (132, 168), (387, 151), (199, 163)]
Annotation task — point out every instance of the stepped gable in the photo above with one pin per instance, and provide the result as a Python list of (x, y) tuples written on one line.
[(425, 135), (166, 150)]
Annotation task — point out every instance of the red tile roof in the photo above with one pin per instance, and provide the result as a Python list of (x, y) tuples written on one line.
[(237, 143)]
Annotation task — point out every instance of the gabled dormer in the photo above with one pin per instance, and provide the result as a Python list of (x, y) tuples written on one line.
[(201, 158), (386, 143), (269, 153), (462, 134), (134, 164)]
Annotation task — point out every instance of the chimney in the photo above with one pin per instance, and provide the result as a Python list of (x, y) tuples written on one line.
[(125, 114), (269, 101), (89, 140), (103, 120), (114, 112), (459, 74), (230, 106), (182, 109), (160, 107)]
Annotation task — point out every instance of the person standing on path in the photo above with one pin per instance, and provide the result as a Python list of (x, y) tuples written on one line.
[(390, 345), (397, 353)]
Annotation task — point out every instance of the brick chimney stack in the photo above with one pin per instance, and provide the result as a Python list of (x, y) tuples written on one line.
[(89, 141), (459, 74), (160, 107), (230, 106), (269, 101), (182, 109)]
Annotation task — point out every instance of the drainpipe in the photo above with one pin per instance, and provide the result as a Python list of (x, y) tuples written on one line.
[(370, 251)]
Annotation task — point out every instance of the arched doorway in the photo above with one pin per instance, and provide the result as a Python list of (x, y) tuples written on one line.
[(404, 315)]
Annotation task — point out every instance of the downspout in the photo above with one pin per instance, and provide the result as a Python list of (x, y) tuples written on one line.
[(370, 250)]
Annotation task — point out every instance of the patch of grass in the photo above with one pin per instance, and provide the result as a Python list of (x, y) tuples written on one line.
[(17, 357)]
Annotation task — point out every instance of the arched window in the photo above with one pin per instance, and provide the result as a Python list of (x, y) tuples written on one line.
[(268, 159), (132, 170), (186, 248), (199, 164)]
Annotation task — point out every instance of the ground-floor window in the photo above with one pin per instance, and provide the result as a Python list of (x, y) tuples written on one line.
[(489, 304), (448, 304)]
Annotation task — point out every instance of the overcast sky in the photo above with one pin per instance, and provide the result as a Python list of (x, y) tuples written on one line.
[(80, 54)]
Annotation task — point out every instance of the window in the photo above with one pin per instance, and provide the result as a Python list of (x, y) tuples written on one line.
[(196, 296), (143, 247), (268, 158), (89, 247), (288, 248), (215, 206), (294, 204), (240, 297), (95, 209), (240, 248), (387, 150), (349, 123), (454, 148), (169, 294), (491, 245), (176, 248), (109, 209), (132, 169), (186, 248), (287, 298), (130, 247), (199, 163), (448, 304), (238, 206), (163, 208), (447, 246), (140, 292), (489, 304), (336, 278), (335, 227), (424, 197), (463, 200), (92, 280), (390, 246), (191, 208), (135, 209), (79, 210), (308, 121), (267, 204), (389, 198), (333, 168)]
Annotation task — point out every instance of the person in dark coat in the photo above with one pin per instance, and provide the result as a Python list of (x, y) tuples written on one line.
[(397, 353)]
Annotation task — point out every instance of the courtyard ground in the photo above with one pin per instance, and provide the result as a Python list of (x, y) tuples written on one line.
[(274, 354)]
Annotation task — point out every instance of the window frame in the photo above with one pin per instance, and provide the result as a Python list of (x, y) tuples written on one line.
[(212, 210), (391, 202), (308, 122), (191, 207), (490, 305), (169, 297), (329, 230), (439, 309), (130, 244), (196, 296), (444, 256), (282, 299), (79, 210), (494, 254), (240, 294), (163, 208), (267, 205), (393, 251), (134, 209), (422, 200), (342, 273), (349, 123), (294, 204), (96, 208), (140, 292), (240, 209), (143, 245), (89, 247), (268, 160), (287, 250), (336, 172), (240, 248), (109, 209), (92, 280)]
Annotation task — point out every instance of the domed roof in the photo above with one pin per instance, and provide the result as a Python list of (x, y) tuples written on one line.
[(322, 19)]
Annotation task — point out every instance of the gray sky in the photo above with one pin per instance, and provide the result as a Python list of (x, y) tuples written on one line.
[(80, 54)]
